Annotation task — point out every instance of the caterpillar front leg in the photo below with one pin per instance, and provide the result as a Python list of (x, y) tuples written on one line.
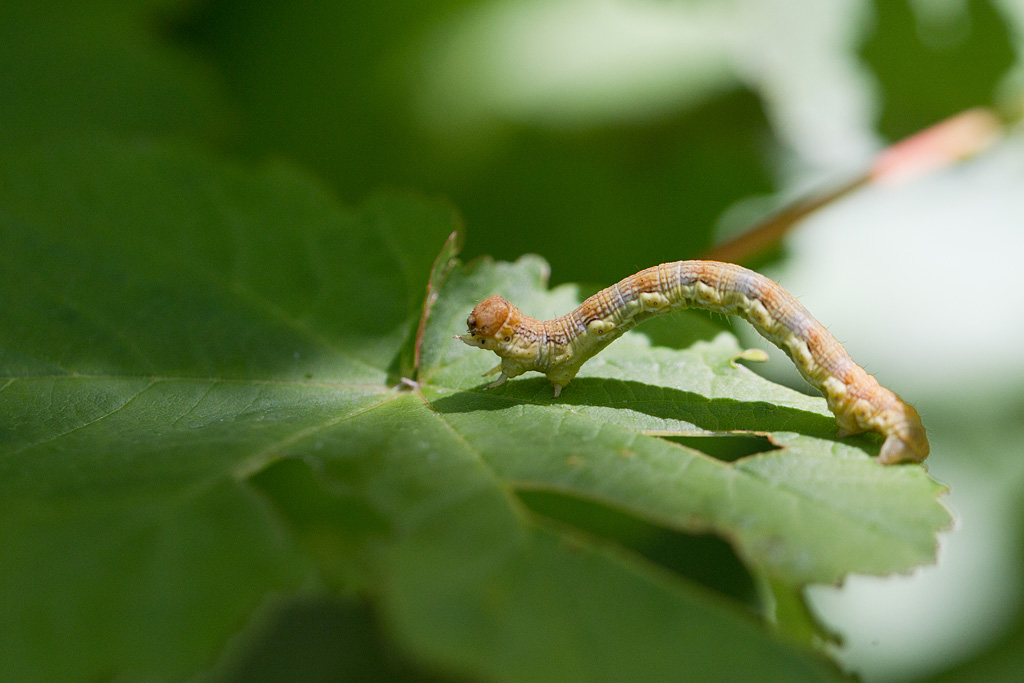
[(498, 382)]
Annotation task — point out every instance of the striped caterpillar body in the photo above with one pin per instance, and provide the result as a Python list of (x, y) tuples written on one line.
[(559, 347)]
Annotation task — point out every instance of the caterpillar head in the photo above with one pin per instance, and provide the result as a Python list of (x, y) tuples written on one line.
[(492, 324)]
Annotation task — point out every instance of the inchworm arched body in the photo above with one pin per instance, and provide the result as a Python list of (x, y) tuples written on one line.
[(560, 346)]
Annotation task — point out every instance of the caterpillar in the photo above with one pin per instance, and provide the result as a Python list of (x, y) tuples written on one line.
[(559, 347)]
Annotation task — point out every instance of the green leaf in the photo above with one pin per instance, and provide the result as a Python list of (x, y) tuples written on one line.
[(169, 326), (202, 409), (310, 639), (783, 509)]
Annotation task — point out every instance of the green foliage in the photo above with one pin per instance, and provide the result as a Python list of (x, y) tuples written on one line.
[(337, 86), (970, 52), (69, 68), (203, 408), (210, 465)]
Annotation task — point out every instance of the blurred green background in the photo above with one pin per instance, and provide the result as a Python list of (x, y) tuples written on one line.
[(610, 135)]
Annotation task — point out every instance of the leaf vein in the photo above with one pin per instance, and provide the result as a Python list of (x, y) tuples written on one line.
[(85, 425), (259, 460), (194, 405)]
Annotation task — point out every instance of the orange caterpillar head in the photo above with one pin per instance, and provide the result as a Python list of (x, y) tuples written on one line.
[(491, 324)]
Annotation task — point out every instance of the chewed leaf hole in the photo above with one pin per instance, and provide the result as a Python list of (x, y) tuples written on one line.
[(727, 448), (702, 558)]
